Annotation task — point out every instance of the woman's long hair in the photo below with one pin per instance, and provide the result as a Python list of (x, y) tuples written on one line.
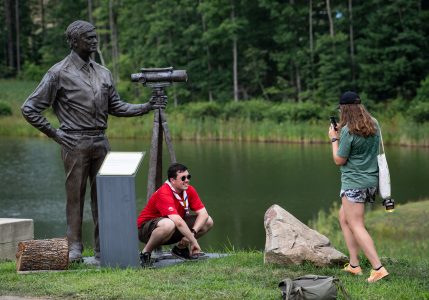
[(357, 119)]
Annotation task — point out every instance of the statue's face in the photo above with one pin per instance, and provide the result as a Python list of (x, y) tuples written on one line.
[(86, 43)]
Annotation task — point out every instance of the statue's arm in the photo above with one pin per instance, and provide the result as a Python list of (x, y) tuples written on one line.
[(119, 108), (41, 99)]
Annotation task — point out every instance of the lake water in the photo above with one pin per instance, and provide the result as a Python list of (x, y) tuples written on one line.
[(237, 182)]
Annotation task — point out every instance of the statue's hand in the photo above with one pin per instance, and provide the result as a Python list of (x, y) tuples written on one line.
[(67, 140), (158, 102)]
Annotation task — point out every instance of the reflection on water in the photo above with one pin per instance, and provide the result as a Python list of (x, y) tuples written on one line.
[(236, 181)]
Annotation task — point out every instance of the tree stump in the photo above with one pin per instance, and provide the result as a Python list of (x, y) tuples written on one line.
[(50, 254)]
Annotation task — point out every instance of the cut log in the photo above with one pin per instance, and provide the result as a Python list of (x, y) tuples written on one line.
[(50, 254)]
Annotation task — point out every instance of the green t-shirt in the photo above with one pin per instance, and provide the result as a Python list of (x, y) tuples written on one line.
[(361, 169)]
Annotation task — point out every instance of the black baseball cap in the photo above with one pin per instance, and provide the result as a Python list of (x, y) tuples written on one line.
[(349, 98)]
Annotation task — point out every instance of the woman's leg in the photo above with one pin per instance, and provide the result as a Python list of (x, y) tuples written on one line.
[(351, 242), (354, 215)]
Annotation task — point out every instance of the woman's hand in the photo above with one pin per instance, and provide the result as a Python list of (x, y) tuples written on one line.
[(332, 132)]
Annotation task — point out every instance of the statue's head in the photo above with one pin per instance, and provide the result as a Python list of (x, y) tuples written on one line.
[(75, 30)]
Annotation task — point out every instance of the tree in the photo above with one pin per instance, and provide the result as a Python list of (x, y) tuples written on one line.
[(392, 49), (8, 13), (223, 35), (17, 37), (333, 70), (291, 51), (351, 38), (114, 39)]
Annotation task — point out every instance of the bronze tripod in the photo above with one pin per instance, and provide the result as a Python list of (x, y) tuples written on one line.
[(160, 128), (158, 79)]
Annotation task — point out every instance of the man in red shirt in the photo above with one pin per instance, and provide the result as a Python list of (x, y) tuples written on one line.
[(167, 219)]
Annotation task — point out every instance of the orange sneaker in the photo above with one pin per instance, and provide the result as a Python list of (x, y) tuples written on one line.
[(377, 275), (355, 271)]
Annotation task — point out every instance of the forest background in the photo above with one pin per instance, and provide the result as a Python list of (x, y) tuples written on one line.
[(280, 61)]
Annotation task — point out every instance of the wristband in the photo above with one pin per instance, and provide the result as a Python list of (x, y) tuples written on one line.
[(334, 140)]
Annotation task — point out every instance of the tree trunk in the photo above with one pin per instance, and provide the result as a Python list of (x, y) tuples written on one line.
[(209, 67), (234, 56), (51, 254), (310, 26), (9, 28), (90, 18), (18, 50), (114, 42), (298, 82), (352, 46), (42, 18), (331, 22)]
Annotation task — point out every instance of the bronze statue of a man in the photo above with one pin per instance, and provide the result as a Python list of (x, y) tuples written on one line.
[(82, 94)]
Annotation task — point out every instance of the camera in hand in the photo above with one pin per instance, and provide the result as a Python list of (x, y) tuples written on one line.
[(389, 204), (333, 122)]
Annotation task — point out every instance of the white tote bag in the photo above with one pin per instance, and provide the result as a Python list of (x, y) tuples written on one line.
[(383, 172)]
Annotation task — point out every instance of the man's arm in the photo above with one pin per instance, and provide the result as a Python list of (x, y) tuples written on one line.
[(202, 217), (184, 229)]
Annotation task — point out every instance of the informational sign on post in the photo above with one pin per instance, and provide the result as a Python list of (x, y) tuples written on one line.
[(117, 209), (121, 163)]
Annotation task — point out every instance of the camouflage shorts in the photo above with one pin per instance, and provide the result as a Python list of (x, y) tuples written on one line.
[(360, 195)]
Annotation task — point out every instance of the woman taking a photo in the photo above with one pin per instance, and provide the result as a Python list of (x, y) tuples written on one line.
[(355, 147)]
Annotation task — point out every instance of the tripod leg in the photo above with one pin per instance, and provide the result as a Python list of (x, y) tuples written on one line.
[(153, 162), (167, 137), (158, 177)]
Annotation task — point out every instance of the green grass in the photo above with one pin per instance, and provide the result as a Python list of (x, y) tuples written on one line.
[(402, 241), (396, 129)]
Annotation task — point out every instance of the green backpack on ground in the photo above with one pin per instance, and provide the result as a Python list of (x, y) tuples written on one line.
[(311, 287)]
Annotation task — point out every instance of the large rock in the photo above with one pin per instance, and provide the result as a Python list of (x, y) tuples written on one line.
[(289, 241)]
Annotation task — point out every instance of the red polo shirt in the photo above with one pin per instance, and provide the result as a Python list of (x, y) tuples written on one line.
[(163, 203)]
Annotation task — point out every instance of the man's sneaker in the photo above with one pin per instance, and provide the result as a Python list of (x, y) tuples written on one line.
[(182, 253), (377, 275), (145, 260), (355, 271)]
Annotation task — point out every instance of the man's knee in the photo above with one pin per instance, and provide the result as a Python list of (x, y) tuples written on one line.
[(166, 226), (208, 225)]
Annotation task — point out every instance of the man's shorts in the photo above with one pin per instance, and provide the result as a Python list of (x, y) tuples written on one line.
[(360, 195), (146, 229)]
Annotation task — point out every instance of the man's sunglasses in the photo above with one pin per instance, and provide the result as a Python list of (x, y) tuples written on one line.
[(183, 178)]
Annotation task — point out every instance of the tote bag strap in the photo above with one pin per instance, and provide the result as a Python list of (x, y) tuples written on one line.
[(381, 145)]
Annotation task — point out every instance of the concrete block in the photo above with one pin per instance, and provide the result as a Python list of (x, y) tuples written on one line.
[(12, 231)]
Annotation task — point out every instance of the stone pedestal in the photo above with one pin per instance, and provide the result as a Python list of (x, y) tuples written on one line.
[(13, 231)]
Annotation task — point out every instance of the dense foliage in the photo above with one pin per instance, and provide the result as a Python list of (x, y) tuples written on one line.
[(283, 51)]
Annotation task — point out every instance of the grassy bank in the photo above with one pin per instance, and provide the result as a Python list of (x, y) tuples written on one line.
[(185, 123), (402, 240)]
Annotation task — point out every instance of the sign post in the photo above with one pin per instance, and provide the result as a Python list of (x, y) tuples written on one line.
[(119, 246)]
